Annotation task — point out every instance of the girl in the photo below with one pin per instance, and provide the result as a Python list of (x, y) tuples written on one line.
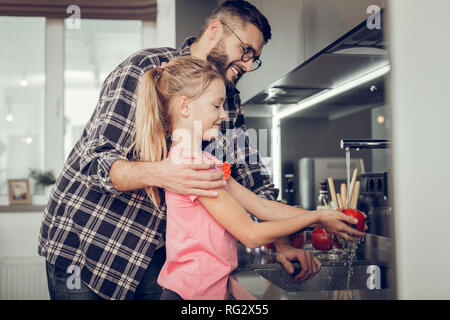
[(185, 100)]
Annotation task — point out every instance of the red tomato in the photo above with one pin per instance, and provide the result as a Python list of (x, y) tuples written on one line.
[(270, 246), (226, 168), (297, 240), (358, 215), (321, 239)]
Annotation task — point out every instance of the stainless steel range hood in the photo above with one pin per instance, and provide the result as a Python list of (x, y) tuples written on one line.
[(359, 52)]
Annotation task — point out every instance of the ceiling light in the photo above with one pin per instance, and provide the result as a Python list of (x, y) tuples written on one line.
[(276, 148), (9, 118)]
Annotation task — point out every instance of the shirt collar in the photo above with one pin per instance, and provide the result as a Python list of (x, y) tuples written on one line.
[(185, 49), (231, 90)]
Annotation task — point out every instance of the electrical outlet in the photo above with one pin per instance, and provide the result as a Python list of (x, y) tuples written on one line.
[(373, 183)]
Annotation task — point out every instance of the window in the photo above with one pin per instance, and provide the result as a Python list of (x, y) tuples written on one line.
[(30, 121), (91, 53), (22, 98)]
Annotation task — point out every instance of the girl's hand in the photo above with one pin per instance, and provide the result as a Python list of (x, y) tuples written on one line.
[(338, 223)]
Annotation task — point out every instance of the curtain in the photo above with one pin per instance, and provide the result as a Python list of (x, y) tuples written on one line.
[(89, 9)]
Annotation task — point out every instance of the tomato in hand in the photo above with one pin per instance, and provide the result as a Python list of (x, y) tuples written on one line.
[(297, 240), (321, 239), (358, 215)]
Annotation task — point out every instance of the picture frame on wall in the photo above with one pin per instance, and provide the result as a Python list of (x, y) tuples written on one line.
[(19, 191)]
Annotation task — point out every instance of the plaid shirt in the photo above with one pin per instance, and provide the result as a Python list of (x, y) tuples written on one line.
[(111, 235)]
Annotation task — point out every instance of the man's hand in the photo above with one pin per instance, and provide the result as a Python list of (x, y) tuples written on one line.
[(176, 176), (310, 264), (182, 176)]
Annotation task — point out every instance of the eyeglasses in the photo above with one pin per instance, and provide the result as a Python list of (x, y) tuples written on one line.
[(249, 52)]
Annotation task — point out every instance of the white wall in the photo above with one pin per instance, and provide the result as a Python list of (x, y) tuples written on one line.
[(190, 16), (19, 233), (22, 270), (283, 52), (420, 107), (165, 24)]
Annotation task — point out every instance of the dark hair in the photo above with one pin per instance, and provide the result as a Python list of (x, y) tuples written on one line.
[(242, 10)]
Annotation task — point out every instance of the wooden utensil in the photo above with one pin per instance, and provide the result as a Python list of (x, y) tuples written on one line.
[(344, 195), (355, 195), (340, 203), (332, 192), (352, 185)]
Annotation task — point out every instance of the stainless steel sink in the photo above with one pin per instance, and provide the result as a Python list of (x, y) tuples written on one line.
[(272, 282), (259, 276), (332, 276)]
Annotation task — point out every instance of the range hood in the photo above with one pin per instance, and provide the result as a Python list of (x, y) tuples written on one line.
[(359, 52)]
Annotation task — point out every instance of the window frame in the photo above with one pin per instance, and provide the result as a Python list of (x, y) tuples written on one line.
[(54, 127)]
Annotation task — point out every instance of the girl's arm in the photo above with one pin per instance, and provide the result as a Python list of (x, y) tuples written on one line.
[(234, 218), (261, 208), (267, 210)]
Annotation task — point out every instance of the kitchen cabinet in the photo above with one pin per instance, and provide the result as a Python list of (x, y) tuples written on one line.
[(326, 20), (300, 29), (347, 76)]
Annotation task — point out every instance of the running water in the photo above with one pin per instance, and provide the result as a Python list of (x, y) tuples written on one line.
[(347, 163), (349, 246), (350, 257)]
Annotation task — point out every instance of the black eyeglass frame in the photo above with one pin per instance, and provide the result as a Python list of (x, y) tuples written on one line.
[(247, 49)]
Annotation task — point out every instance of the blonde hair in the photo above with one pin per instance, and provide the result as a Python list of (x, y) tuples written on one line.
[(157, 89)]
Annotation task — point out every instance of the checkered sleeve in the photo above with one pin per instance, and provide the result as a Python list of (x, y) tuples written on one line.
[(110, 134), (235, 143), (249, 170)]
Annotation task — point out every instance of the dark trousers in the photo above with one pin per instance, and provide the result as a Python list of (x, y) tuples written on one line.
[(148, 288), (170, 295)]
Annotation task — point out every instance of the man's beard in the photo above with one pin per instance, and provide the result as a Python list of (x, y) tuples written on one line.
[(217, 57)]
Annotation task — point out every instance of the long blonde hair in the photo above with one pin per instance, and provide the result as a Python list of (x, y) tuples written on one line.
[(157, 89)]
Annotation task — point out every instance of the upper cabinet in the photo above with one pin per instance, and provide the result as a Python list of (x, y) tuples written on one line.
[(346, 76)]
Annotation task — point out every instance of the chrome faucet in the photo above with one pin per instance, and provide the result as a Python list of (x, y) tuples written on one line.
[(365, 144)]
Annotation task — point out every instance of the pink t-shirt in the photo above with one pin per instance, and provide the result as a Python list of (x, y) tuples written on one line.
[(200, 253)]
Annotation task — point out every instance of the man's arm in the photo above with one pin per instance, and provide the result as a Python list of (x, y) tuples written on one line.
[(103, 160), (109, 132), (178, 178)]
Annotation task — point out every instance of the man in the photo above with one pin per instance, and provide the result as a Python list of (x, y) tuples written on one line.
[(99, 224)]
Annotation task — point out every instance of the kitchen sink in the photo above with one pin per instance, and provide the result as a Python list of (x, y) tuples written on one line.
[(259, 276), (332, 276), (367, 281)]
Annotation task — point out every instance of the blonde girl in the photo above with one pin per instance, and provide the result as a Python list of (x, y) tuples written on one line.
[(201, 233)]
